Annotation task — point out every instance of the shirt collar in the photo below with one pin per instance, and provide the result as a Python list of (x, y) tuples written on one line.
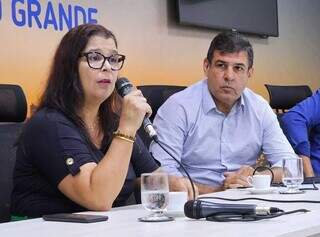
[(207, 100), (242, 103)]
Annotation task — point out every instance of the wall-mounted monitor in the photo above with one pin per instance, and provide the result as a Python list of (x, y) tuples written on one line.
[(258, 17)]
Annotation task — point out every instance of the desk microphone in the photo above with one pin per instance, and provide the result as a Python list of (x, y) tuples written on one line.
[(197, 209), (124, 87)]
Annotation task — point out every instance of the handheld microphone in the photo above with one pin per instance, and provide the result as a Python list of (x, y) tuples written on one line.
[(124, 87), (197, 209)]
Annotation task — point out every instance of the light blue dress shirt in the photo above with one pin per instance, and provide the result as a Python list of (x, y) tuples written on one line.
[(208, 142)]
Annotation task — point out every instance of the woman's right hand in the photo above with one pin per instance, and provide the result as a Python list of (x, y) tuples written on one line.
[(134, 109)]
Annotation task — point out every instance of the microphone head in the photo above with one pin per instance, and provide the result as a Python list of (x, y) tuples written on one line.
[(192, 209), (123, 86)]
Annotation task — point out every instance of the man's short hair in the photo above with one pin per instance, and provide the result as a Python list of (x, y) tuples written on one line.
[(230, 42)]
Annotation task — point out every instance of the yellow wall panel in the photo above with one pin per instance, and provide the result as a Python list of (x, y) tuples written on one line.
[(158, 50)]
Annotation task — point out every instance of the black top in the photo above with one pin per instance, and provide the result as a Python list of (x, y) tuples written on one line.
[(51, 148)]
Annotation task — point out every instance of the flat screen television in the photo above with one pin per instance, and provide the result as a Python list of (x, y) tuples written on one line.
[(258, 17)]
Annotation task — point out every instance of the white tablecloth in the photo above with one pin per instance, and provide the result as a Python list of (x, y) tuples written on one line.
[(123, 222)]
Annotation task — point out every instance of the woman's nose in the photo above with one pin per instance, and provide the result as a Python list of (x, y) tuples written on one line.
[(106, 66)]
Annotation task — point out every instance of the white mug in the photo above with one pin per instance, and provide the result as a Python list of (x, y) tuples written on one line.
[(177, 201), (260, 181)]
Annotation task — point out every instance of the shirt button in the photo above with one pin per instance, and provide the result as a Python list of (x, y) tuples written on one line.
[(69, 161)]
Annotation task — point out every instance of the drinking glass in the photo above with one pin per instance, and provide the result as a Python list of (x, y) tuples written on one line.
[(292, 175), (155, 196)]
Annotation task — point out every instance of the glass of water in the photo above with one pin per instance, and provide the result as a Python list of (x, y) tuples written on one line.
[(292, 174), (155, 196)]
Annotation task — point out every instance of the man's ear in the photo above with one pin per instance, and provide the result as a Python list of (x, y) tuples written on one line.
[(250, 72), (206, 66)]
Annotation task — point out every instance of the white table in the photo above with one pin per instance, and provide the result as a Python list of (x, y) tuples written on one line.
[(123, 222)]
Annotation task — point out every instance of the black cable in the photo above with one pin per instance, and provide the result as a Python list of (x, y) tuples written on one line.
[(156, 140), (313, 188), (262, 168), (274, 212), (260, 199), (227, 217)]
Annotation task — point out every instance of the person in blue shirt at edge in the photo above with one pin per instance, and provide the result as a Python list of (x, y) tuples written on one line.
[(301, 125), (79, 151), (217, 127)]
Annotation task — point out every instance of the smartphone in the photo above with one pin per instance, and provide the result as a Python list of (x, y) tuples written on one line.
[(71, 217)]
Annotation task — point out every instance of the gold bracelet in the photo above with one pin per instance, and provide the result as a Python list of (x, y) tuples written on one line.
[(124, 136)]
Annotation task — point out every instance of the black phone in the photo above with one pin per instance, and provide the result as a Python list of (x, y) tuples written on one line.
[(72, 217)]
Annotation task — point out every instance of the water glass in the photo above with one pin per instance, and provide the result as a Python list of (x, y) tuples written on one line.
[(292, 174), (155, 196)]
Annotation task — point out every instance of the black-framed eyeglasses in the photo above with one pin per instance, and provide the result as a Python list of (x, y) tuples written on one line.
[(96, 60)]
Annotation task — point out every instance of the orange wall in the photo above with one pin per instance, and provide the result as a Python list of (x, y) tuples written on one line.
[(158, 50)]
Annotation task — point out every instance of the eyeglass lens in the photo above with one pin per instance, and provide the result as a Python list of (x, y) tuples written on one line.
[(96, 60)]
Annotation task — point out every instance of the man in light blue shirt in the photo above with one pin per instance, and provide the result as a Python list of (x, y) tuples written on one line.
[(217, 127)]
